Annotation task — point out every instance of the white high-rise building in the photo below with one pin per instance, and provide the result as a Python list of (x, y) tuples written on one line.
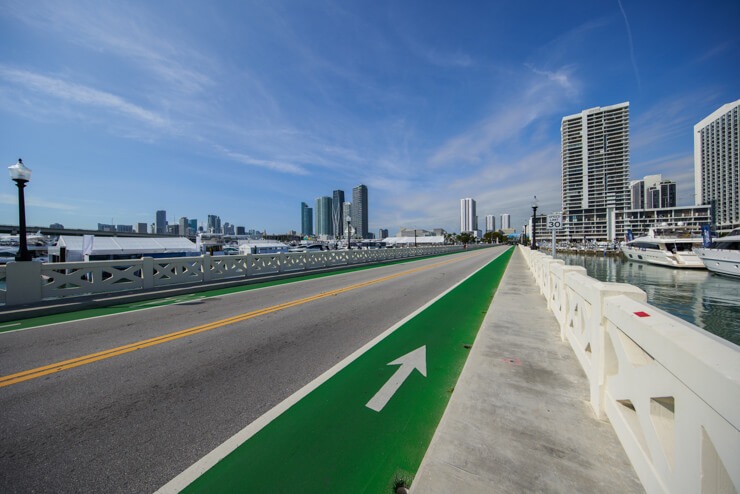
[(717, 165), (595, 175), (505, 221), (490, 223), (468, 218)]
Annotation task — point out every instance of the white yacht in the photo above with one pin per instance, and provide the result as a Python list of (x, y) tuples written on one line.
[(665, 246), (723, 257)]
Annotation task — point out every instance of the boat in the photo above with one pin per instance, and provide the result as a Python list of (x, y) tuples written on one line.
[(665, 246), (723, 257)]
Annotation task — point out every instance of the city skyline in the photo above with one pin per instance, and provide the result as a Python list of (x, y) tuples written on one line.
[(256, 107)]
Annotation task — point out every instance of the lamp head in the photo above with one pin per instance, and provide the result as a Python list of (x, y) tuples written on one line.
[(535, 203), (20, 172)]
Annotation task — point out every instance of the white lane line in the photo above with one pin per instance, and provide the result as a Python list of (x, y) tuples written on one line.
[(201, 466), (10, 325)]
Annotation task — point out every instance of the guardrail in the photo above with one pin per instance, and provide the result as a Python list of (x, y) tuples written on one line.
[(670, 389), (31, 282)]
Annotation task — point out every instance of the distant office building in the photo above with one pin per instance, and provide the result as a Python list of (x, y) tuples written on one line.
[(184, 226), (652, 192), (214, 224), (102, 227), (124, 228), (717, 165), (346, 213), (490, 223), (468, 218), (229, 229), (439, 232), (506, 221), (240, 230), (595, 172), (141, 228), (306, 220), (58, 226), (337, 201), (382, 233), (193, 226), (323, 215), (161, 222), (359, 211), (173, 229)]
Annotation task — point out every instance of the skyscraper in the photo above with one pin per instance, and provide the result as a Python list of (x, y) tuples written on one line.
[(468, 218), (323, 215), (595, 174), (214, 223), (359, 211), (336, 212), (183, 227), (306, 219), (652, 192), (717, 164), (490, 223), (505, 221), (346, 213), (161, 222)]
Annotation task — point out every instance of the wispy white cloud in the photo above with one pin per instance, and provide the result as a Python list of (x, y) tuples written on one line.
[(36, 202), (273, 165), (631, 44), (76, 93)]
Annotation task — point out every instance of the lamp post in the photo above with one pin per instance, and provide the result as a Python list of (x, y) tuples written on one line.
[(414, 237), (535, 203), (349, 230), (21, 175)]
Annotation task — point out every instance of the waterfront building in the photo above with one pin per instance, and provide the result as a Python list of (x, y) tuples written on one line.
[(490, 223), (382, 233), (161, 222), (124, 228), (717, 165), (193, 226), (337, 201), (595, 171), (359, 211), (468, 218), (103, 227), (639, 221), (141, 228), (505, 221), (306, 220), (323, 215)]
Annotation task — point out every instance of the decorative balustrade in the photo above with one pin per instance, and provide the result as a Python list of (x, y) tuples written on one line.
[(33, 282), (669, 388)]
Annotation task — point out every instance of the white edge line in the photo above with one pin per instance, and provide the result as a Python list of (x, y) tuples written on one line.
[(200, 467)]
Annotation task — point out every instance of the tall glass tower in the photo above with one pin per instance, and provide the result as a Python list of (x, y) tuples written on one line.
[(323, 215), (359, 211), (306, 219), (337, 203)]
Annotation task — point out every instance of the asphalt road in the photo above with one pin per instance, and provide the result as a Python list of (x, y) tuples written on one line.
[(132, 421)]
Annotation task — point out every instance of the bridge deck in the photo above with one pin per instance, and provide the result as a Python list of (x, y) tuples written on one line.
[(519, 419)]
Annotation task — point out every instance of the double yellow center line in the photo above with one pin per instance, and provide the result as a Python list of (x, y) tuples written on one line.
[(121, 350)]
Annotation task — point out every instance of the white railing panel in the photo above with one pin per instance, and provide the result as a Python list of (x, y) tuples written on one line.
[(176, 270), (83, 278), (294, 262), (672, 395), (259, 264), (229, 266), (3, 286)]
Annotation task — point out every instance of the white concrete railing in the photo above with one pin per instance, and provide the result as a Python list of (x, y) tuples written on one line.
[(30, 282), (670, 389)]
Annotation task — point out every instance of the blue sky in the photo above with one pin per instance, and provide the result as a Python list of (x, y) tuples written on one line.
[(245, 109)]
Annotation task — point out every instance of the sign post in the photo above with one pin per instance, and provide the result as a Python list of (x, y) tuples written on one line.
[(554, 222)]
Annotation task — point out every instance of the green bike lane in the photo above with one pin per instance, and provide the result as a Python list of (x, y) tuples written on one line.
[(366, 428)]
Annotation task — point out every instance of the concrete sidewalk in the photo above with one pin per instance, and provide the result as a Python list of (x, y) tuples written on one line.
[(519, 419)]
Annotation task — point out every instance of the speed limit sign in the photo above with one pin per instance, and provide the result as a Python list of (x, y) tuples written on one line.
[(555, 221)]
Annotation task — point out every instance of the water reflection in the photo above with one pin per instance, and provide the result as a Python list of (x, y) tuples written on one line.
[(710, 301)]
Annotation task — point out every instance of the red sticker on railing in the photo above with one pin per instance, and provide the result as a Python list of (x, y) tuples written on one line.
[(642, 314)]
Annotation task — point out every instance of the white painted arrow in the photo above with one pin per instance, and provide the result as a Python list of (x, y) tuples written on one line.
[(413, 360)]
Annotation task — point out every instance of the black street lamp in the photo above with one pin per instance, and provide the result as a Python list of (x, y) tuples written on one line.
[(21, 175), (349, 232), (535, 203)]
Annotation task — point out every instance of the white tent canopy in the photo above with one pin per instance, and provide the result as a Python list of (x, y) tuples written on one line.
[(433, 240), (124, 246)]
